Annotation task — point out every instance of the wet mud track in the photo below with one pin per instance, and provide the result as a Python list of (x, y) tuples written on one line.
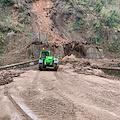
[(9, 108), (65, 95)]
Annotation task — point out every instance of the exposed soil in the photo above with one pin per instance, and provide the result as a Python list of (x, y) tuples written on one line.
[(44, 24), (75, 48), (6, 117), (6, 77), (75, 92)]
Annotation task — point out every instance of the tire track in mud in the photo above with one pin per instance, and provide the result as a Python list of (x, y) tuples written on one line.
[(15, 104), (85, 109), (79, 108), (60, 96), (47, 101)]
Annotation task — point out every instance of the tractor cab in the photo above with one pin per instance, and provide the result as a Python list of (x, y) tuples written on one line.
[(44, 54)]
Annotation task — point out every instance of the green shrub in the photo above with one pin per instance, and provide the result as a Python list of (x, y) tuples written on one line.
[(78, 25), (2, 43), (110, 17), (98, 6), (5, 30), (6, 2), (82, 2), (97, 26), (114, 47)]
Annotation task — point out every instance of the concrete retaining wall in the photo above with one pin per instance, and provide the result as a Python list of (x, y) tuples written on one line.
[(20, 65), (114, 71)]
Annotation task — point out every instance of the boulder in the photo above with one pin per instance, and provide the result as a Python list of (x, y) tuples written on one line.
[(94, 53)]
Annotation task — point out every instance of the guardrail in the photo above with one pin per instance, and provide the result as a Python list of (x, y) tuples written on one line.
[(20, 65)]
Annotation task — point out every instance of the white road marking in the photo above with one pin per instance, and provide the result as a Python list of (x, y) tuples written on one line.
[(26, 109)]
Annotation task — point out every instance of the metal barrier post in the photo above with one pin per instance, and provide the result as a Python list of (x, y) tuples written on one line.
[(91, 39)]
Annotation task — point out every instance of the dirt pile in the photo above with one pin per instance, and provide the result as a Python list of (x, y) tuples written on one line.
[(83, 66), (35, 48), (76, 48), (42, 22), (88, 70), (6, 77), (70, 50), (69, 57), (92, 67)]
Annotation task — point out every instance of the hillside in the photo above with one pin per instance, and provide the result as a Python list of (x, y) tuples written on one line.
[(60, 21), (82, 19), (77, 77)]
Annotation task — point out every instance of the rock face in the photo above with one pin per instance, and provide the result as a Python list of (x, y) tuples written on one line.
[(94, 53)]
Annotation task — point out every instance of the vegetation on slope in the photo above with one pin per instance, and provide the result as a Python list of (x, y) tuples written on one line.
[(15, 27), (79, 20), (91, 18)]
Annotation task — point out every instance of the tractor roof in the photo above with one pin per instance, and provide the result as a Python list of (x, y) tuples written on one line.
[(45, 51)]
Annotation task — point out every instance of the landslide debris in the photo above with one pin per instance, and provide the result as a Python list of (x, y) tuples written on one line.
[(6, 77), (69, 57), (82, 66), (76, 48)]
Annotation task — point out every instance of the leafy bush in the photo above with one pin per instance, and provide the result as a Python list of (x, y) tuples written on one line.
[(6, 2), (98, 6), (2, 43), (114, 47), (78, 25), (110, 16), (82, 2)]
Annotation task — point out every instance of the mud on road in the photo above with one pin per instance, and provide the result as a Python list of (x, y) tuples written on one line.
[(61, 95)]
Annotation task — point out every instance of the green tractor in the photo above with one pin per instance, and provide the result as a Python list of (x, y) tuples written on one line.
[(46, 60)]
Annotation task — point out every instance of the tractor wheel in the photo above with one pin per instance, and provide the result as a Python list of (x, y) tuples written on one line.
[(55, 67), (40, 67), (44, 67)]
